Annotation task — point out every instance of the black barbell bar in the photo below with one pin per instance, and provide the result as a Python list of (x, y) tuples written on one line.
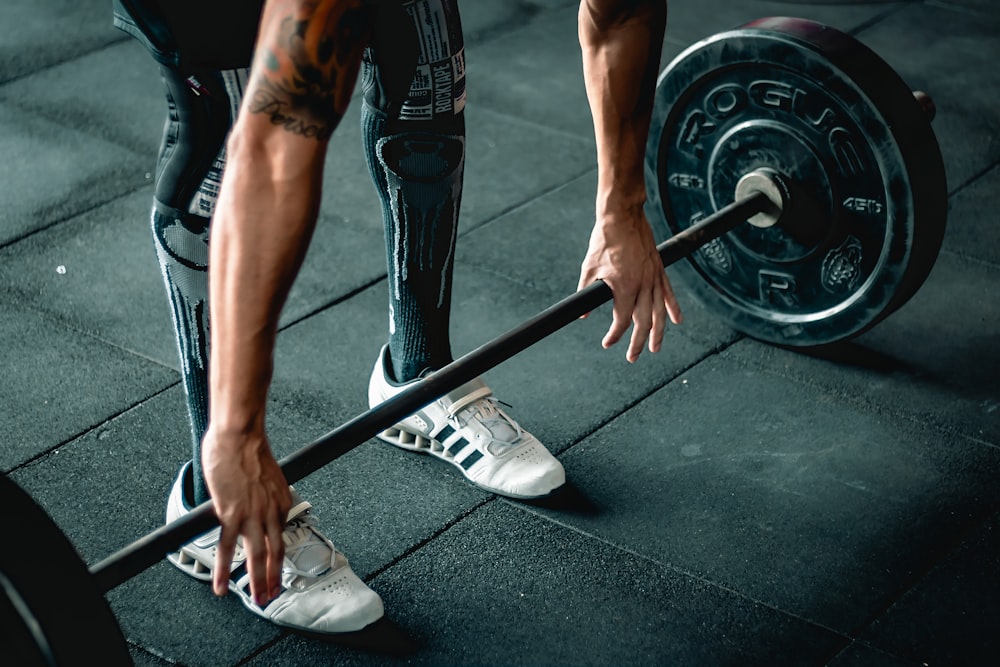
[(150, 549)]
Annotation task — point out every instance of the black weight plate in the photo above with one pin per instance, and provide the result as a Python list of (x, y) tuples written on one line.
[(52, 611), (869, 197)]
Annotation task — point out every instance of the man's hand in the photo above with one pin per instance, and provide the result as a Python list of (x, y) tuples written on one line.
[(623, 254), (251, 499), (621, 41)]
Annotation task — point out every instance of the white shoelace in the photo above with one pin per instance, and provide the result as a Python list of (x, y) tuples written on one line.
[(505, 431), (306, 552)]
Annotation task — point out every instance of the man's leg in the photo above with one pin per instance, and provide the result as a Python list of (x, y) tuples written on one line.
[(413, 125), (413, 128), (200, 110), (321, 594)]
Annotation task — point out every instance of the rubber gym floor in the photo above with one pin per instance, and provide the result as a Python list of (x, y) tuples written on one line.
[(730, 502)]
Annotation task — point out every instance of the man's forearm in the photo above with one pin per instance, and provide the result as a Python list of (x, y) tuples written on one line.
[(621, 43), (260, 232), (306, 63)]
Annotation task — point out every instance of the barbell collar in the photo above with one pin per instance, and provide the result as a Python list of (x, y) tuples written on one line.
[(773, 186), (150, 549)]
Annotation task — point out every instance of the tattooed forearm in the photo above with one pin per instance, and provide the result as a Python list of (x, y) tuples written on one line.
[(307, 62), (282, 109)]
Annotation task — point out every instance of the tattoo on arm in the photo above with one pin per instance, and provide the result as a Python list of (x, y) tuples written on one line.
[(306, 64)]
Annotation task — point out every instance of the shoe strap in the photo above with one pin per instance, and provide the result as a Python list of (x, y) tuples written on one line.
[(464, 401), (300, 537), (298, 509), (299, 506)]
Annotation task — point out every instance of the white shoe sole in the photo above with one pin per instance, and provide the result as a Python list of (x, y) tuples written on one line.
[(190, 565), (421, 444)]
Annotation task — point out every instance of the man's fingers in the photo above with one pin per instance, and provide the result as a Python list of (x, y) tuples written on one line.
[(275, 556), (643, 320), (636, 343), (223, 561), (256, 550), (659, 320), (621, 318), (647, 311)]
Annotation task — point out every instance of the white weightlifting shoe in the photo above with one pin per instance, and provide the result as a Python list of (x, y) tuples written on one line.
[(320, 594), (468, 428)]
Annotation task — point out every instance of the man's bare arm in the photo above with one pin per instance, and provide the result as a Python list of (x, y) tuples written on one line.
[(305, 66), (621, 42)]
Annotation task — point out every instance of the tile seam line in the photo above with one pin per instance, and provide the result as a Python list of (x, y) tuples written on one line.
[(263, 648), (865, 406), (714, 351), (684, 572), (979, 261), (903, 6), (586, 140), (853, 635), (24, 465), (148, 650), (953, 547), (854, 31), (421, 543), (76, 56), (72, 328), (971, 11), (4, 245), (878, 18), (127, 350), (972, 180), (333, 303), (129, 192), (552, 189), (508, 25)]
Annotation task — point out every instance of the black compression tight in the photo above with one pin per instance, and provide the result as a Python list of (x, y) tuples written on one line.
[(413, 131)]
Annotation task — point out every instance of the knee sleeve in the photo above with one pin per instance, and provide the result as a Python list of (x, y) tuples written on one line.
[(201, 108)]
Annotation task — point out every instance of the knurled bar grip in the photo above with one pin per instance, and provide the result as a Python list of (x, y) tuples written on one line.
[(146, 551)]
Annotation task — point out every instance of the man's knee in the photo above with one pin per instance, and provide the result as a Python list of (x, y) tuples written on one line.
[(200, 113)]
